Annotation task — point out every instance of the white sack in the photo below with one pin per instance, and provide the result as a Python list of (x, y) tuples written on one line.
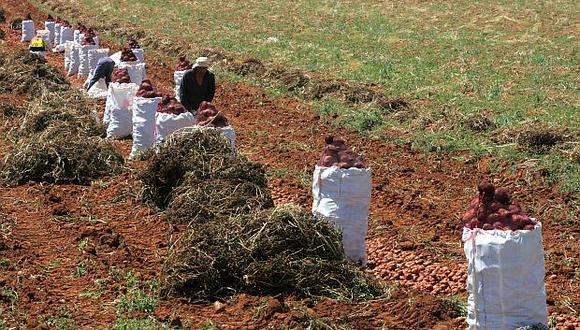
[(84, 66), (27, 30), (178, 77), (66, 34), (144, 110), (95, 55), (46, 37), (73, 64), (49, 25), (96, 40), (67, 53), (77, 37), (342, 197), (136, 71), (98, 90), (139, 54), (167, 123), (505, 278), (57, 29), (116, 57), (119, 115)]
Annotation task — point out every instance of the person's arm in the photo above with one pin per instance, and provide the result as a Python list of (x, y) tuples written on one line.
[(210, 88), (184, 90)]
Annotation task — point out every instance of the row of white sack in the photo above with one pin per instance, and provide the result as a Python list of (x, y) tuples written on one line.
[(83, 60), (127, 115), (57, 34)]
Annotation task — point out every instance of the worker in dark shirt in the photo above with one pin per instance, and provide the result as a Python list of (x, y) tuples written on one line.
[(198, 85), (104, 70)]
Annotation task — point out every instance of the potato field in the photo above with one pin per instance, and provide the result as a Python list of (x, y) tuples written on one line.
[(362, 165)]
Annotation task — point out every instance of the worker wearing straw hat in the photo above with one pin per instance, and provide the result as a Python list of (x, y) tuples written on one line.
[(198, 85)]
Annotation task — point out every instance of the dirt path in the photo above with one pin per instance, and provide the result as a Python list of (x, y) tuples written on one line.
[(417, 202)]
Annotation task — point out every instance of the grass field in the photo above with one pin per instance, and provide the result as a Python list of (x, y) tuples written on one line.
[(513, 62)]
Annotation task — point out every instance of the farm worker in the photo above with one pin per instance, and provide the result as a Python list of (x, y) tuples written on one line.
[(104, 70), (198, 85), (38, 45)]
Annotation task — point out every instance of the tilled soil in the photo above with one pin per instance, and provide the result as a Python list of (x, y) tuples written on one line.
[(68, 249)]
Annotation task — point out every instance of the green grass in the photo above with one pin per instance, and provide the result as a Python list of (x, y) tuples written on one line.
[(512, 61)]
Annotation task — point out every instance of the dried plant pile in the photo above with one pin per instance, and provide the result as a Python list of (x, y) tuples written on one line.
[(281, 250), (60, 155), (57, 140), (201, 201), (54, 108), (23, 73), (197, 153)]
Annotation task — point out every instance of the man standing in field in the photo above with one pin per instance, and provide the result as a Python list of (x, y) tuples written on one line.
[(198, 85)]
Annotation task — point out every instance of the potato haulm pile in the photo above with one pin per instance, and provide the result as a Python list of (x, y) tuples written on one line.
[(494, 209)]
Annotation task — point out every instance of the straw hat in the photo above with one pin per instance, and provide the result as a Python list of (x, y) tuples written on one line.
[(201, 62)]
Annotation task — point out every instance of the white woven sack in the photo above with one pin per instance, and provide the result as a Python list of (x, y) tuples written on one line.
[(144, 110), (139, 54), (57, 29), (342, 197), (67, 53), (230, 134), (119, 113), (84, 65), (49, 25), (505, 278), (136, 71), (27, 30), (95, 55), (96, 40), (66, 34), (46, 37), (74, 60), (116, 57), (98, 90), (178, 77), (77, 36), (167, 123)]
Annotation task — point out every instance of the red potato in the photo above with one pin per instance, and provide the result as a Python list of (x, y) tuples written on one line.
[(184, 64), (342, 156), (147, 90), (495, 209), (127, 55)]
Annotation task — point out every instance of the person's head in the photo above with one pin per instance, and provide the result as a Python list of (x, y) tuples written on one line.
[(201, 64)]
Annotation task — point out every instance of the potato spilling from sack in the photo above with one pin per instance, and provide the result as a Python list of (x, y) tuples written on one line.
[(208, 115)]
